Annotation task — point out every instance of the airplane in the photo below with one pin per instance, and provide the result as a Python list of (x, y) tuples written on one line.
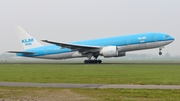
[(92, 49)]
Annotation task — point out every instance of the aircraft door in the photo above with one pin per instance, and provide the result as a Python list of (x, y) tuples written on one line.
[(155, 40), (45, 52), (128, 43)]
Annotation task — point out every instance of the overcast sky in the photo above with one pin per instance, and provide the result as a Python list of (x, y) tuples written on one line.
[(73, 20)]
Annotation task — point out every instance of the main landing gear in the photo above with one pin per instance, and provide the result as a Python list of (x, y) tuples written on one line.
[(90, 61)]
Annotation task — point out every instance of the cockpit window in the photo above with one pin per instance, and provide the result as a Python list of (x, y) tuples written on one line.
[(167, 36)]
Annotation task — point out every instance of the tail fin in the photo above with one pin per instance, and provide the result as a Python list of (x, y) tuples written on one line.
[(26, 40)]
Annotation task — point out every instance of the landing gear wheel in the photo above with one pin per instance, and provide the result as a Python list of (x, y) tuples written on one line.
[(160, 53), (92, 61), (85, 61), (99, 61), (160, 49)]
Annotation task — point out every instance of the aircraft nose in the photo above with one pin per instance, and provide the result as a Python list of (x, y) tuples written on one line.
[(171, 39)]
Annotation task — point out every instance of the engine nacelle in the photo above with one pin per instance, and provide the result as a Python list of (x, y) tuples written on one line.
[(109, 51)]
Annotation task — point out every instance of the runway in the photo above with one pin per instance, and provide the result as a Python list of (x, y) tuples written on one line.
[(59, 85)]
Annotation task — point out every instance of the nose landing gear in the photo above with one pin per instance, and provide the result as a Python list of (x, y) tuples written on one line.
[(160, 49), (160, 53)]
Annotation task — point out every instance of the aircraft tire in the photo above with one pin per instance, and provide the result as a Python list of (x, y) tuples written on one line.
[(160, 53), (92, 61), (85, 61), (99, 61)]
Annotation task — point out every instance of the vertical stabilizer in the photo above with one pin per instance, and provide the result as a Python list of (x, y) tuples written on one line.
[(26, 40)]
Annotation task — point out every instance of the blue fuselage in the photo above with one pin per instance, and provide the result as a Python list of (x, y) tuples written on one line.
[(124, 43)]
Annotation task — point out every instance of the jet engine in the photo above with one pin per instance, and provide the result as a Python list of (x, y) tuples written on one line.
[(111, 51)]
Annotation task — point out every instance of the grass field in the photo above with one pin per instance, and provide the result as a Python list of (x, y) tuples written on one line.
[(159, 74), (58, 94)]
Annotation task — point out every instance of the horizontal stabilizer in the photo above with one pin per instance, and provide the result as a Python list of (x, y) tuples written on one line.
[(21, 52)]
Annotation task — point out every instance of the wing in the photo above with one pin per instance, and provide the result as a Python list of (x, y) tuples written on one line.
[(21, 52), (78, 47)]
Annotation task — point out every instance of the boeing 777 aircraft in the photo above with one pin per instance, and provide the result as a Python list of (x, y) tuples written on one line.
[(106, 47)]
